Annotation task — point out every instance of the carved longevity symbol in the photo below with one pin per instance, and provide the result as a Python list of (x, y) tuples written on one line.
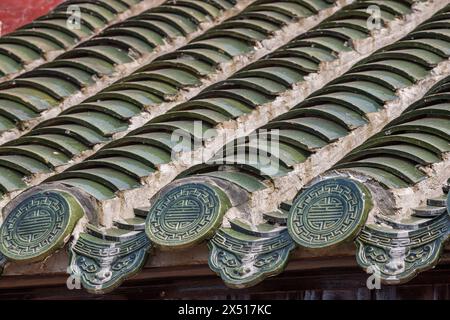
[(186, 215), (329, 212), (38, 225)]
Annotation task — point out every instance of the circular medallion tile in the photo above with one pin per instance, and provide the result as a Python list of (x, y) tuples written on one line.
[(186, 215), (39, 225), (329, 212)]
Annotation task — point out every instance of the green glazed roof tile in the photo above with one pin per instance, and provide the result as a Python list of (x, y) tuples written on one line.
[(131, 167), (6, 123), (408, 151), (103, 124), (440, 201), (117, 108), (398, 246), (209, 116), (111, 234), (58, 89), (41, 153), (148, 36), (226, 45), (333, 112), (409, 70), (15, 111), (359, 103), (429, 211), (248, 182), (186, 63), (96, 189), (322, 128), (84, 135), (110, 178), (432, 124), (384, 78), (375, 92), (10, 180), (392, 6), (109, 54), (271, 16), (68, 145), (297, 65), (292, 9), (120, 166), (32, 98), (158, 88), (161, 140), (278, 74), (276, 217), (22, 164), (426, 141), (91, 65), (401, 168), (61, 39)]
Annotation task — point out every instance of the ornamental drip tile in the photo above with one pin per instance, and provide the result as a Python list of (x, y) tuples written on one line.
[(243, 257), (103, 259), (398, 250)]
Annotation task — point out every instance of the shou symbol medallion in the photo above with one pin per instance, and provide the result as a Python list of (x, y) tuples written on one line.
[(186, 215), (39, 225), (329, 212)]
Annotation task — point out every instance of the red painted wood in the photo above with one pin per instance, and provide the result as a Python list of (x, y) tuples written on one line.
[(16, 13)]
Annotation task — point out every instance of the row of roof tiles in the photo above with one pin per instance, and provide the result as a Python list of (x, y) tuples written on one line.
[(419, 137), (26, 97), (52, 32)]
